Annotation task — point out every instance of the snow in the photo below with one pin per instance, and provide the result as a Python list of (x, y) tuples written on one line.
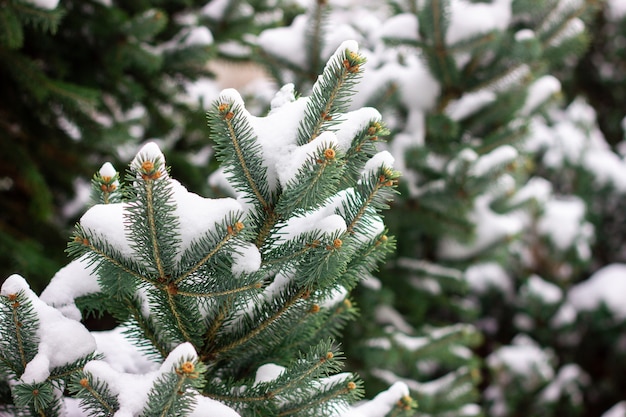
[(288, 168), (562, 220), (287, 43), (62, 341), (107, 170), (615, 10), (120, 353), (573, 28), (202, 90), (44, 4), (385, 314), (336, 296), (469, 19), (491, 228), (619, 409), (352, 123), (482, 277), (268, 372), (246, 259), (215, 9), (132, 389), (76, 279), (524, 359), (286, 94), (199, 36), (546, 291), (469, 104), (380, 405), (536, 188), (605, 287), (380, 160), (568, 380), (401, 26), (499, 157), (524, 35), (207, 407), (540, 91), (107, 221)]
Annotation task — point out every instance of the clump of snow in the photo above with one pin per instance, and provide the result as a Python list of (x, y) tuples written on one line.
[(497, 158), (285, 95), (132, 389), (288, 168), (380, 405), (121, 354), (353, 122), (605, 287), (199, 36), (107, 170), (268, 372), (246, 259), (76, 279), (385, 314), (215, 9), (149, 152), (570, 380), (537, 287), (287, 43), (619, 409), (469, 103), (62, 341), (469, 19), (536, 188), (382, 159), (525, 360), (573, 28), (491, 228), (539, 91), (524, 34), (44, 4), (490, 275), (209, 407), (563, 222), (401, 26)]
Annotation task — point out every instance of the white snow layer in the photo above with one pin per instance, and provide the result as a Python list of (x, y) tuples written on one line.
[(62, 341), (490, 275), (380, 405), (74, 280), (546, 291), (615, 10), (525, 359), (619, 409), (469, 19), (605, 287), (44, 4)]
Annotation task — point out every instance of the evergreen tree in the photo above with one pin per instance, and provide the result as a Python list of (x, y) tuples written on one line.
[(226, 306), (459, 83)]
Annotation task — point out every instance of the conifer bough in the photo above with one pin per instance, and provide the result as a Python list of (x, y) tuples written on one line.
[(227, 306)]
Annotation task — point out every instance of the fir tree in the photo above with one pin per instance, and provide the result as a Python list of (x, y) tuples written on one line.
[(226, 306), (458, 83)]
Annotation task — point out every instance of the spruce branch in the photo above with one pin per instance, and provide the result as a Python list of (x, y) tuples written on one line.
[(19, 339), (253, 330), (330, 93), (95, 395), (240, 154)]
